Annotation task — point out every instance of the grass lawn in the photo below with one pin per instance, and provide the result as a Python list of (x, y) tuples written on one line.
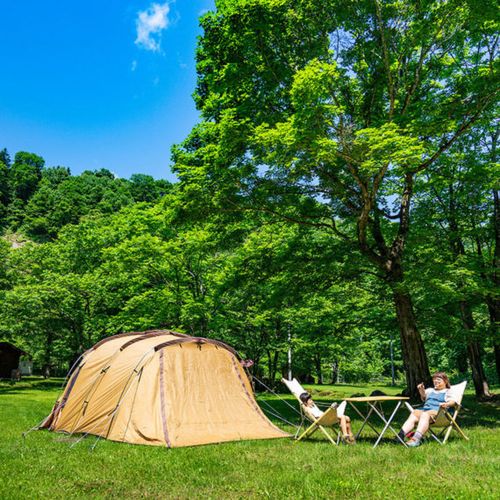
[(45, 466)]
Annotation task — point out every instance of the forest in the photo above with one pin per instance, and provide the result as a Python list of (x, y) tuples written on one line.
[(338, 199)]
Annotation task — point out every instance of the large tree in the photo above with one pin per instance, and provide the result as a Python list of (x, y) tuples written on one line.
[(454, 234), (325, 112)]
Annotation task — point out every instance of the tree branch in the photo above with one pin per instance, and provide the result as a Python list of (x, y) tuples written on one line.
[(445, 144), (386, 60)]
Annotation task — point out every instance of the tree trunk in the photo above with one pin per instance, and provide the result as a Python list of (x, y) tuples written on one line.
[(48, 354), (474, 353), (495, 301), (413, 350), (389, 259), (494, 310), (317, 362), (272, 364), (478, 376), (335, 372), (461, 360), (497, 360)]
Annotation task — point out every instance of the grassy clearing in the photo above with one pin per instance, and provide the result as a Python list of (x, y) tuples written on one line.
[(45, 466)]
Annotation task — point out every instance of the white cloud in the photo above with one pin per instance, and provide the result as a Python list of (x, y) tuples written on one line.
[(150, 23), (133, 66)]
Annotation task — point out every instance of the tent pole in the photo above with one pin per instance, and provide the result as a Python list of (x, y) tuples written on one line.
[(133, 403), (125, 391), (289, 352)]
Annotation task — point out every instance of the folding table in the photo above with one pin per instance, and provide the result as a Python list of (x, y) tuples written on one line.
[(374, 405)]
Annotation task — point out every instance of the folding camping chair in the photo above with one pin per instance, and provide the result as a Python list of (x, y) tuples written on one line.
[(330, 417), (447, 420)]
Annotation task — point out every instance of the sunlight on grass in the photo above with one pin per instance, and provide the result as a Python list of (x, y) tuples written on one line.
[(44, 465)]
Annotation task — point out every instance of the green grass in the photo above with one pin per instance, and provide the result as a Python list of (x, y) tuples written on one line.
[(45, 466)]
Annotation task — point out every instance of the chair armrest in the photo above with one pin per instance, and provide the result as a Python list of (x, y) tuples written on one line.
[(341, 408), (411, 408), (330, 417)]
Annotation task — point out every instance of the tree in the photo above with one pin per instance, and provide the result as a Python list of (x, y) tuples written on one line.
[(452, 218), (25, 174), (4, 188), (5, 157), (146, 188), (63, 199), (325, 112)]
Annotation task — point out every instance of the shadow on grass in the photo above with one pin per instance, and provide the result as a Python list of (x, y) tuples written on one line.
[(483, 414), (29, 384)]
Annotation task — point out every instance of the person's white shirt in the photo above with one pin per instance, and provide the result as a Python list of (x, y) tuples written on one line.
[(315, 411)]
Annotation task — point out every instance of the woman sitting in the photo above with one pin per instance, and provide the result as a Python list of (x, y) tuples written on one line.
[(434, 399), (344, 420)]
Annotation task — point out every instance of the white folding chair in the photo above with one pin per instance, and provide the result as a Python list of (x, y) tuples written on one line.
[(329, 419), (446, 420)]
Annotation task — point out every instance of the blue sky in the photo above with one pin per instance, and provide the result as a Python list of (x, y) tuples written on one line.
[(99, 84)]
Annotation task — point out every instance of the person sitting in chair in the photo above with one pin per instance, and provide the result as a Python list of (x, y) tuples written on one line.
[(344, 420), (434, 400)]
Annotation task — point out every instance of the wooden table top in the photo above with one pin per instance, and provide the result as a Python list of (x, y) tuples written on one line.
[(372, 399)]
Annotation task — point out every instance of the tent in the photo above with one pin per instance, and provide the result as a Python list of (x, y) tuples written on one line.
[(160, 388)]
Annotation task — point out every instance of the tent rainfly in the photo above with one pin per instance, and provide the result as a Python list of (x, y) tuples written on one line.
[(160, 388)]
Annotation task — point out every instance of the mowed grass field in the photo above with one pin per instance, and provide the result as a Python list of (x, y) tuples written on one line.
[(46, 466)]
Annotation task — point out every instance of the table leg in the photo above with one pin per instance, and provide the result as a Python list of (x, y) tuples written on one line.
[(388, 424), (365, 420)]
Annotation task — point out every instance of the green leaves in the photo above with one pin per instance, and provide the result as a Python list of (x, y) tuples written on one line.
[(313, 95), (387, 145)]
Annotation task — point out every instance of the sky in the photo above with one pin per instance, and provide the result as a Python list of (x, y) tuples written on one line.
[(99, 84)]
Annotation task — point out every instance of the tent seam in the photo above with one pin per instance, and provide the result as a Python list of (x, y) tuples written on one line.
[(252, 401), (162, 403)]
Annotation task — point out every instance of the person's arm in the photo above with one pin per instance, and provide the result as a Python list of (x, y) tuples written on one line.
[(448, 404), (421, 391), (448, 401)]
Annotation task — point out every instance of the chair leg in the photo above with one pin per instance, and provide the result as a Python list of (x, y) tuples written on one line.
[(312, 429), (457, 428), (436, 437), (453, 424), (323, 430), (447, 433), (302, 421), (308, 432)]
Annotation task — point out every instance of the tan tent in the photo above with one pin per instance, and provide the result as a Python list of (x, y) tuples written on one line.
[(161, 388)]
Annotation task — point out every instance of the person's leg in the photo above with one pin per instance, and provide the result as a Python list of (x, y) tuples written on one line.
[(410, 423), (348, 425), (343, 425), (352, 439), (425, 422), (423, 426)]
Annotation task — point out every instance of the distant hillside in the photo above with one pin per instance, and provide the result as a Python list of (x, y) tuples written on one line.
[(37, 201)]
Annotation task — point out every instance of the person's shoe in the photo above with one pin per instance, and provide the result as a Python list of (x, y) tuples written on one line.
[(413, 443), (349, 439)]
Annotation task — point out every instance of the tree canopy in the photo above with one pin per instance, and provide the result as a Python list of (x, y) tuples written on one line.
[(338, 198)]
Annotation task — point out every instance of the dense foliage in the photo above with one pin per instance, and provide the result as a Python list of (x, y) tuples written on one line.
[(338, 199)]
